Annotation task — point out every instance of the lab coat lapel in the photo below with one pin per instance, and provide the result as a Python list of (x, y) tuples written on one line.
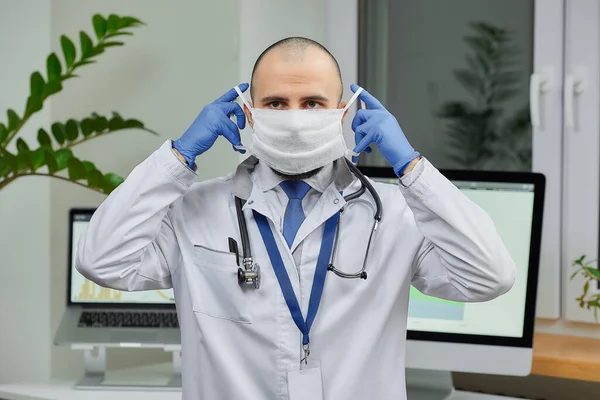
[(258, 202), (330, 202)]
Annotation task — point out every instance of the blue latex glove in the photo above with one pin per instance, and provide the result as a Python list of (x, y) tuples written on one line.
[(377, 125), (213, 121)]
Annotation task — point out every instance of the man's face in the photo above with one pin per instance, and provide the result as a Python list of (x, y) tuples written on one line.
[(284, 81)]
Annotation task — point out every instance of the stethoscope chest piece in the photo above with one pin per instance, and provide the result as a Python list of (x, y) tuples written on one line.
[(249, 274)]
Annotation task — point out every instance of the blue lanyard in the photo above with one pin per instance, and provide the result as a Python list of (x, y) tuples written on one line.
[(284, 279)]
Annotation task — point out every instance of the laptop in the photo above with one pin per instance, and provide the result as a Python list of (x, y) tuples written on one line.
[(112, 318)]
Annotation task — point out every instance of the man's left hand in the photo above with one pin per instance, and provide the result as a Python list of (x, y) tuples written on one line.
[(377, 125)]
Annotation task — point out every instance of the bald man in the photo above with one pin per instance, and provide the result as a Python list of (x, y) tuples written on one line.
[(247, 255)]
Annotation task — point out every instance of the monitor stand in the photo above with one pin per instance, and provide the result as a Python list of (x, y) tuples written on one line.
[(424, 384)]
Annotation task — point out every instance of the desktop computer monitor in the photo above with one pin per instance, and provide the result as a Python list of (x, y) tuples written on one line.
[(494, 337)]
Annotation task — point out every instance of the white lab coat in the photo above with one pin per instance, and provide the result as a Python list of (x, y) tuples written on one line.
[(162, 229)]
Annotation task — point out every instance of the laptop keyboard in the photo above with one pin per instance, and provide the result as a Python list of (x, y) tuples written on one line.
[(115, 319)]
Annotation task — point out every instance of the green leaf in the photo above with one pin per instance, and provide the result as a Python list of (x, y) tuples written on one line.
[(13, 119), (85, 62), (593, 272), (133, 123), (44, 138), (87, 46), (24, 155), (68, 49), (89, 167), (51, 162), (470, 81), (37, 158), (124, 33), (111, 181), (22, 147), (51, 88), (99, 25), (10, 161), (53, 68), (59, 132), (23, 162), (3, 133), (502, 95), (34, 104), (95, 179), (100, 123), (113, 23), (76, 169), (126, 22), (87, 127), (112, 44), (98, 50), (4, 167), (586, 287), (37, 84), (71, 130), (62, 158), (573, 275), (116, 122)]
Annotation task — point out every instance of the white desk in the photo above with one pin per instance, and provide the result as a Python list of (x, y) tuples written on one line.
[(63, 390)]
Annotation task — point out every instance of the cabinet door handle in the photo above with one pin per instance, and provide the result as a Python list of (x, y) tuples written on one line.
[(540, 83), (574, 86)]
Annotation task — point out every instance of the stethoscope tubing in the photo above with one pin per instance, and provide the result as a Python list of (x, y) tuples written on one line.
[(247, 259)]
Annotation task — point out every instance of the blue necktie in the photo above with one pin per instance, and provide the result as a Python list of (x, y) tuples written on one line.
[(294, 214)]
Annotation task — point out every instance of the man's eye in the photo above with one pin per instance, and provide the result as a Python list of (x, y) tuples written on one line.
[(312, 104), (275, 104)]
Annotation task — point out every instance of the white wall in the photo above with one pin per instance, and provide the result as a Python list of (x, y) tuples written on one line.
[(187, 55), (183, 59), (24, 205), (263, 22)]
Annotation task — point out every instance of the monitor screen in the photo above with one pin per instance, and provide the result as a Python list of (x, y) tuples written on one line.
[(510, 206), (86, 291)]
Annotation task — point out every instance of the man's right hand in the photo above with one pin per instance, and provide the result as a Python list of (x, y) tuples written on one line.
[(213, 121)]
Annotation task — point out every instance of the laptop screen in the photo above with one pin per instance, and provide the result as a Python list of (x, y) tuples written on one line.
[(83, 290)]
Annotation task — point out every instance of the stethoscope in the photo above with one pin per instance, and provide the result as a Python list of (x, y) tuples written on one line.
[(249, 273)]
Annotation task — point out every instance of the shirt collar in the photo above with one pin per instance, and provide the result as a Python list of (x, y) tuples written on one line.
[(251, 172)]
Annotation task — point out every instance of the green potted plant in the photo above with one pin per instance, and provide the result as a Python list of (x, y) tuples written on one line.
[(53, 155), (591, 274), (479, 133)]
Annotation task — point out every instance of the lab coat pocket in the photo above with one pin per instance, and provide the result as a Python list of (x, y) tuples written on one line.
[(215, 290)]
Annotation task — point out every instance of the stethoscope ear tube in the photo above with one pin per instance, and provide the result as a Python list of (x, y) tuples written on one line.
[(365, 184), (249, 273), (246, 251)]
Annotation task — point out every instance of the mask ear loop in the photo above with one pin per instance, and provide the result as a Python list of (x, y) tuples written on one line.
[(353, 98), (247, 104), (351, 153)]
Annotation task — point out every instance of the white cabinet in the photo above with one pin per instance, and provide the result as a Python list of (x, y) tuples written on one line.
[(581, 138), (545, 93)]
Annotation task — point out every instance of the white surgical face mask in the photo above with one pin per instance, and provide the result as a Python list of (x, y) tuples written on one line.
[(298, 141)]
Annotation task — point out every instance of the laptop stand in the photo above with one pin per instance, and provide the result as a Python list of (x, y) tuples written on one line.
[(95, 377)]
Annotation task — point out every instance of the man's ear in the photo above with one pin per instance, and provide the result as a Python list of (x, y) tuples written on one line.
[(342, 105), (248, 116)]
